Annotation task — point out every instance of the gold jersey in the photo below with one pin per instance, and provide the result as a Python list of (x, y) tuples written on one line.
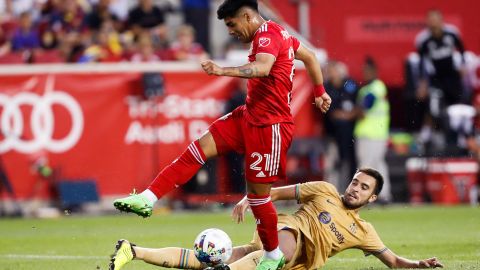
[(324, 227)]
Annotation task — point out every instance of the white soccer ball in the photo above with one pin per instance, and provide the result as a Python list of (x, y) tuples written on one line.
[(213, 246)]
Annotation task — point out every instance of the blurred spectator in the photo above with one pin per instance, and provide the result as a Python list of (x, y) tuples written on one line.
[(120, 8), (185, 48), (5, 10), (26, 36), (100, 13), (10, 9), (49, 8), (415, 107), (66, 16), (105, 47), (147, 16), (340, 119), (48, 39), (71, 47), (5, 44), (436, 46), (145, 52), (197, 14), (372, 127)]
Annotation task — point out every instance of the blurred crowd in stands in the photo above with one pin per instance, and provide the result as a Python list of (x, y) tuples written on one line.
[(81, 31)]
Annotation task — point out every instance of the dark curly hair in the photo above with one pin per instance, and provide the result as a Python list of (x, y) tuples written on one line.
[(229, 8)]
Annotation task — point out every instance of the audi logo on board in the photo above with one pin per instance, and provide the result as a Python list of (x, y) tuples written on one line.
[(41, 121)]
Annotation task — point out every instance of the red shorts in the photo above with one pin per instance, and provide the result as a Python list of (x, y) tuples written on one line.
[(265, 147)]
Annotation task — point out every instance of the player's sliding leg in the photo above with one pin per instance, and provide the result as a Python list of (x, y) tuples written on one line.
[(169, 257), (266, 218), (177, 173)]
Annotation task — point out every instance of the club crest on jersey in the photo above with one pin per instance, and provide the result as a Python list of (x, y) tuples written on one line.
[(324, 217), (264, 42)]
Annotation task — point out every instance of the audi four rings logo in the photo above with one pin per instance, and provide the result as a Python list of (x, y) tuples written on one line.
[(42, 122)]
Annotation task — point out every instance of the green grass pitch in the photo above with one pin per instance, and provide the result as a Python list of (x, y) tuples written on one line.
[(75, 242)]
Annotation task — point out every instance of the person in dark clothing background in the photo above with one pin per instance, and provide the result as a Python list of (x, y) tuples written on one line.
[(99, 14), (438, 44), (197, 14), (147, 16), (340, 120), (440, 80)]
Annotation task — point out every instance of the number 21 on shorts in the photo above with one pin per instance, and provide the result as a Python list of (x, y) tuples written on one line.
[(257, 163)]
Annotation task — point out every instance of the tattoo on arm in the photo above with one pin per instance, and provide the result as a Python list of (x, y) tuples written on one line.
[(248, 72)]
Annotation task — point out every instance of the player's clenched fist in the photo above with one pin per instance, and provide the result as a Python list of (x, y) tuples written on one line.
[(211, 68), (323, 102)]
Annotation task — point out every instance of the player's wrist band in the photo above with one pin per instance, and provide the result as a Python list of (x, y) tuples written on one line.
[(318, 90)]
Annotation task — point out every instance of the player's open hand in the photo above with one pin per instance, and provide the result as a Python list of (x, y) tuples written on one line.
[(430, 263), (238, 212), (323, 102), (211, 68)]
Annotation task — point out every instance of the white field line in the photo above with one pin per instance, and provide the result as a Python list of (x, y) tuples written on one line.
[(50, 257)]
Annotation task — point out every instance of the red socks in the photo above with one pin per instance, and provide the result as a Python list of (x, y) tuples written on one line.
[(266, 216), (179, 171)]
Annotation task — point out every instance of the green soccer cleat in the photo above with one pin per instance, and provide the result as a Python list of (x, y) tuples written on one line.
[(124, 254), (269, 264), (135, 203)]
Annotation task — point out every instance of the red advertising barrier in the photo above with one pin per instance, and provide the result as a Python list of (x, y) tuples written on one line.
[(443, 181), (416, 178), (451, 181), (97, 125)]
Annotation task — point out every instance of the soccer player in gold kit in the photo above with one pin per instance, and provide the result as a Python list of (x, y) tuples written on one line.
[(325, 224)]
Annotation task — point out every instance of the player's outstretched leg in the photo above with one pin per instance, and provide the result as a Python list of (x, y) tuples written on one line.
[(135, 203), (124, 253), (174, 175)]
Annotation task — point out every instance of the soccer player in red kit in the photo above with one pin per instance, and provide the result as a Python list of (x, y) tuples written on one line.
[(262, 129)]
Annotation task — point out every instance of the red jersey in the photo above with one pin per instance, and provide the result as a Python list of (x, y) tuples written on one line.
[(268, 98)]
